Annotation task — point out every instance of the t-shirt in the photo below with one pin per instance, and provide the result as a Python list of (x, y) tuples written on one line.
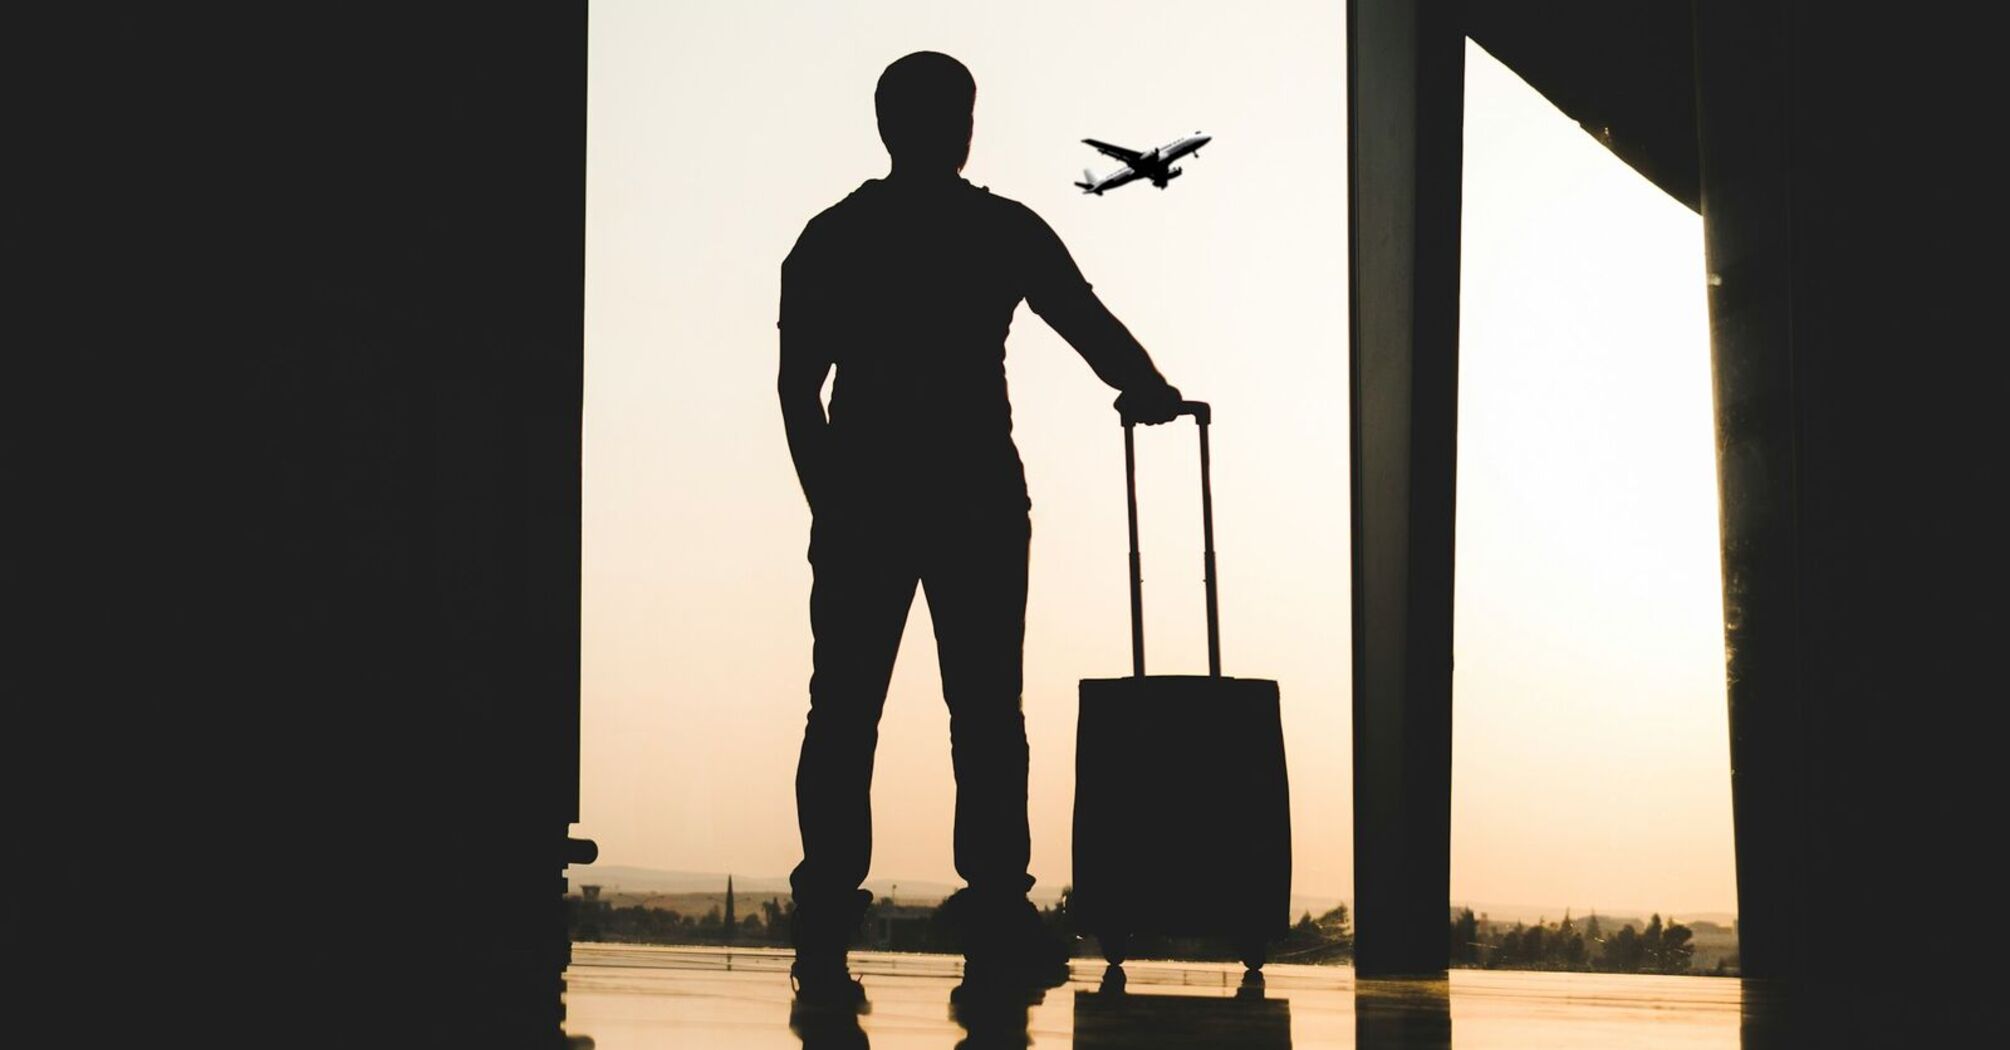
[(909, 290)]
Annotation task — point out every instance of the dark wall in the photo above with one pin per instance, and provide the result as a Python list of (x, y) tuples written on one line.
[(1850, 227), (305, 569)]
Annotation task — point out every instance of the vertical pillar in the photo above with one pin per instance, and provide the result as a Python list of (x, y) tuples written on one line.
[(1406, 82), (1746, 205)]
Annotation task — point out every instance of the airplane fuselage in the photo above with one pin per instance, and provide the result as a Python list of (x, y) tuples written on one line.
[(1154, 166), (1178, 148)]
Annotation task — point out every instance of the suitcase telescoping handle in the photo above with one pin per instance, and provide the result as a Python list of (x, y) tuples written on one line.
[(1201, 416)]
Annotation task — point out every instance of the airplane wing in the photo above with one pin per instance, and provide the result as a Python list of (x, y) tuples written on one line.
[(1128, 156)]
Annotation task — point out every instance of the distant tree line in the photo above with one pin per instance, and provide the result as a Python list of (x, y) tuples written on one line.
[(599, 920), (1327, 938), (1565, 946)]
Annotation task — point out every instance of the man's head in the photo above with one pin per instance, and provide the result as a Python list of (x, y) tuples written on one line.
[(924, 102)]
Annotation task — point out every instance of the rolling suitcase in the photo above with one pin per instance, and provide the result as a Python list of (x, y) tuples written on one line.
[(1182, 811)]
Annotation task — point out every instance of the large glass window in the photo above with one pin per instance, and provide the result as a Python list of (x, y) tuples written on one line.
[(1591, 756)]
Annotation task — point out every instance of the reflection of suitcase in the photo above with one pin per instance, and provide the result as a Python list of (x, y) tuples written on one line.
[(1182, 814), (1109, 1019)]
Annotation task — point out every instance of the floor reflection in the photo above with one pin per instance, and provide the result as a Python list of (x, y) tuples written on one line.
[(1403, 1015), (1762, 1018), (1112, 1018), (635, 997), (993, 1018), (1864, 1011), (828, 1028)]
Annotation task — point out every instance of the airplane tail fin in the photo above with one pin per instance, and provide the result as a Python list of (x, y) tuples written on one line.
[(1088, 183)]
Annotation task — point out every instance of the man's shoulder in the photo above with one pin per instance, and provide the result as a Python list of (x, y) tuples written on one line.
[(864, 214), (874, 196), (833, 219), (1006, 209)]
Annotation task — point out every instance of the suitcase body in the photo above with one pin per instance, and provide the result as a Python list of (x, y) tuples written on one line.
[(1182, 806)]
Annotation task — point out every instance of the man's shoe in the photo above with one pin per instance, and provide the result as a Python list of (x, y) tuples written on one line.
[(821, 927), (1008, 944), (826, 985)]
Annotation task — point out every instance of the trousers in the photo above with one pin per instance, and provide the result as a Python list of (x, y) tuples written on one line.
[(971, 565)]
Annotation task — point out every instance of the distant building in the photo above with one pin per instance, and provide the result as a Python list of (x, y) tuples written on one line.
[(900, 927), (1714, 943)]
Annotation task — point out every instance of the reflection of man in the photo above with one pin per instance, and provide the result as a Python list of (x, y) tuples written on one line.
[(993, 1017), (907, 287)]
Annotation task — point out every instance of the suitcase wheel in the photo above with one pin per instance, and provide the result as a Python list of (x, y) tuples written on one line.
[(1116, 946), (1254, 951)]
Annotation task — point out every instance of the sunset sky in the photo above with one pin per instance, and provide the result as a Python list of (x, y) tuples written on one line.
[(1590, 751)]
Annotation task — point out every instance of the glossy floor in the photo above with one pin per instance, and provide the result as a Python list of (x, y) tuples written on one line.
[(626, 996)]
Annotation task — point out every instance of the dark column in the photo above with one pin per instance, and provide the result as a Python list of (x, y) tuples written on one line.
[(1406, 82)]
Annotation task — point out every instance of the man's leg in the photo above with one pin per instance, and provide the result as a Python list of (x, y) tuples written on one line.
[(858, 607), (976, 586), (975, 580)]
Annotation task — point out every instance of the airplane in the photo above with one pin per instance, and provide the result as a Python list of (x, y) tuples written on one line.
[(1155, 165)]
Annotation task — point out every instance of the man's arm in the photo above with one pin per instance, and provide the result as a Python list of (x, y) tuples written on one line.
[(1057, 291), (806, 361)]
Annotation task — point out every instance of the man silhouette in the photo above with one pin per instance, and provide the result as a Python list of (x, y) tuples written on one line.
[(907, 288)]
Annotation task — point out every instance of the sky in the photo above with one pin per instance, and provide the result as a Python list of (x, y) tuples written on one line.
[(1590, 749)]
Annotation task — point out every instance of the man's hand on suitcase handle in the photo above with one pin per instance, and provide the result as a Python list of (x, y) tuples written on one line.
[(1155, 406)]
